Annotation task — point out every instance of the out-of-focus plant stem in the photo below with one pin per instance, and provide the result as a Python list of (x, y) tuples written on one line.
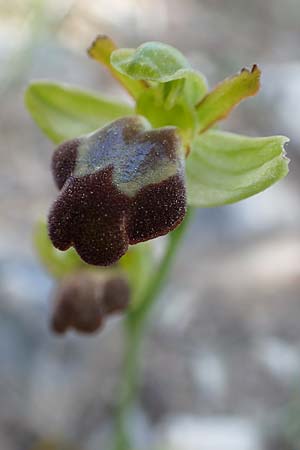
[(134, 330)]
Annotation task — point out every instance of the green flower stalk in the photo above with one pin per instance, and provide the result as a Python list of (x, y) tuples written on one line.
[(126, 175)]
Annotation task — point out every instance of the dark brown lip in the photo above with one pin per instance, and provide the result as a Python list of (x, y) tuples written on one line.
[(91, 212)]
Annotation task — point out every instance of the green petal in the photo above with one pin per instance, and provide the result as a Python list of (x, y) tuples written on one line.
[(138, 263), (225, 168), (56, 262), (218, 103), (101, 50), (65, 112)]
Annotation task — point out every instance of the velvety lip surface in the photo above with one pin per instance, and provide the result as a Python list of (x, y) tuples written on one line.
[(138, 154), (121, 185)]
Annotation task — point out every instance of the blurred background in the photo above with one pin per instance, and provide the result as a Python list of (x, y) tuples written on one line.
[(221, 363)]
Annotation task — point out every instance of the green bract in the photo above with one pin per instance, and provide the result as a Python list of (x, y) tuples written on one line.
[(56, 262), (138, 263)]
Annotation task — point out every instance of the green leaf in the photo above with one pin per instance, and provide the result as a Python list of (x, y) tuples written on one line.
[(218, 103), (101, 50), (56, 262), (225, 168), (65, 112), (138, 264), (153, 61)]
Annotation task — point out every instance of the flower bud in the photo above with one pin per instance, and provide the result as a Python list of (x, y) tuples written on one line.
[(83, 300)]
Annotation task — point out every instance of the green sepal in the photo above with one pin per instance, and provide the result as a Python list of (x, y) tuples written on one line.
[(225, 167), (64, 112)]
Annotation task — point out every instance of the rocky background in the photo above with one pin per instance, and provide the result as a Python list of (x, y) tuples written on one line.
[(222, 356)]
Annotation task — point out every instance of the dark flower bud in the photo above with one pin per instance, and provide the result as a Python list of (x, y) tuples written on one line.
[(120, 185), (116, 295), (83, 301)]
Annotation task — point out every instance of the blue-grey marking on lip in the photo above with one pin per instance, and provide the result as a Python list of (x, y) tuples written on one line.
[(134, 151)]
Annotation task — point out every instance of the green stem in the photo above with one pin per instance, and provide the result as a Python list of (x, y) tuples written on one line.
[(134, 327), (129, 384), (160, 275)]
